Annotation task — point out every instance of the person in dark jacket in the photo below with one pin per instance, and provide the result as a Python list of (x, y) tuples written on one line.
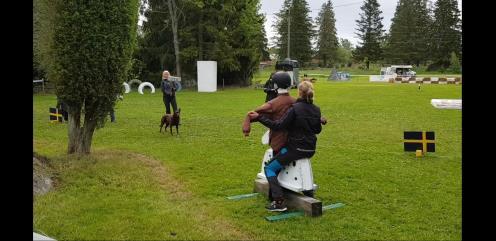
[(169, 92), (62, 106), (303, 122)]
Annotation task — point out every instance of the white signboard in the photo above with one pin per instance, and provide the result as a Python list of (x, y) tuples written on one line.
[(207, 76)]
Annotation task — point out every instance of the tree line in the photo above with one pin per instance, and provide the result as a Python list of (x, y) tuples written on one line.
[(421, 34)]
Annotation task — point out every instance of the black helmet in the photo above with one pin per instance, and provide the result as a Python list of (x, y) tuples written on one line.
[(281, 80)]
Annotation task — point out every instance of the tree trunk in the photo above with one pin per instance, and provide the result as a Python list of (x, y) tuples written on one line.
[(368, 63), (80, 138), (174, 19), (74, 131), (86, 136), (200, 37)]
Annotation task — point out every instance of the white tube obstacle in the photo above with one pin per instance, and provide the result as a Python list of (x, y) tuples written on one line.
[(142, 85), (127, 87), (133, 81)]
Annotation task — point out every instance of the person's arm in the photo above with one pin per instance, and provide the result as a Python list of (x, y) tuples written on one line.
[(162, 86), (318, 127), (264, 109), (280, 124), (174, 86)]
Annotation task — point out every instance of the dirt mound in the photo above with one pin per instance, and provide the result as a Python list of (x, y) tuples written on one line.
[(42, 182)]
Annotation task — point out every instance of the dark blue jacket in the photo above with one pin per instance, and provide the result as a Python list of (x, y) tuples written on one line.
[(303, 123), (168, 87)]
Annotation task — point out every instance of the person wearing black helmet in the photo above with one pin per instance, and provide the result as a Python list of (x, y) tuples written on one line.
[(275, 109), (303, 121)]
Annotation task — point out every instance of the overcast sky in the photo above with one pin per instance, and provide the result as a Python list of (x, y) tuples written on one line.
[(346, 13)]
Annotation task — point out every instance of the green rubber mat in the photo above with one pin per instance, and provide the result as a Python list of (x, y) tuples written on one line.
[(299, 213), (243, 196)]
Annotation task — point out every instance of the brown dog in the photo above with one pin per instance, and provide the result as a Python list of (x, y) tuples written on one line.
[(171, 120)]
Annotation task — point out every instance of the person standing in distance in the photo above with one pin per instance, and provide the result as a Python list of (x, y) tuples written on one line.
[(169, 92)]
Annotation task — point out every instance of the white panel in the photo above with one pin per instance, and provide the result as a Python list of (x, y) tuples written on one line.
[(207, 76), (447, 103)]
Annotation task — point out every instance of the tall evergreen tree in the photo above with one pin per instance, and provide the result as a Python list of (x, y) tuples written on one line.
[(370, 32), (327, 41), (446, 32), (408, 41), (264, 45), (424, 26), (89, 58), (301, 30)]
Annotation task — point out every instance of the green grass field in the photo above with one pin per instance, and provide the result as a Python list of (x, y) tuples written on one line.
[(141, 184)]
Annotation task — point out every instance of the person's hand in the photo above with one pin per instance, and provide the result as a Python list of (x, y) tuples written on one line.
[(246, 129), (253, 115), (323, 120)]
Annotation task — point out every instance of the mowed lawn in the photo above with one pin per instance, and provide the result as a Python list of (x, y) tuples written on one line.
[(142, 184)]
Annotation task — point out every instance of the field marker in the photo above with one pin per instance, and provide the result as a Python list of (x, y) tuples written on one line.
[(243, 196)]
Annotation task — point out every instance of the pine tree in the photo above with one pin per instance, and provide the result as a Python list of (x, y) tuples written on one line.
[(424, 25), (371, 33), (301, 30), (446, 32), (327, 42), (408, 41), (455, 66)]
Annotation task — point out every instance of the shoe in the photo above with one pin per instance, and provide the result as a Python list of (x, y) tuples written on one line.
[(276, 206)]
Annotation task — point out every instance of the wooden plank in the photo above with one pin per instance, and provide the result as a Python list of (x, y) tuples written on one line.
[(310, 206)]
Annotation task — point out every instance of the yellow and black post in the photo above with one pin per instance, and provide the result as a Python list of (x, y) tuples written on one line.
[(419, 142), (55, 116)]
